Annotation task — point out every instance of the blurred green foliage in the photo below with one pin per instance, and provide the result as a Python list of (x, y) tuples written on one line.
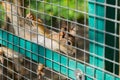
[(65, 8), (46, 9), (2, 14)]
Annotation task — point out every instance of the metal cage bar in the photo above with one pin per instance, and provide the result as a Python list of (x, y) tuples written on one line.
[(103, 39)]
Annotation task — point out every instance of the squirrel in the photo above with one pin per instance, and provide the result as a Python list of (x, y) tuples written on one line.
[(59, 39), (43, 30), (9, 59)]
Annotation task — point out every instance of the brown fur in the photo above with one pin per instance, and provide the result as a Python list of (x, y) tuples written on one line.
[(61, 37), (38, 22), (50, 34), (40, 72), (11, 63), (1, 56)]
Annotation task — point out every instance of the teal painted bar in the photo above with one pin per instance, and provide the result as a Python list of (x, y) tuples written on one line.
[(90, 71), (71, 74), (41, 55), (64, 60), (72, 64), (56, 57), (64, 70), (109, 77), (81, 67), (1, 36), (49, 63), (100, 37), (56, 67), (49, 54), (99, 75), (96, 35)]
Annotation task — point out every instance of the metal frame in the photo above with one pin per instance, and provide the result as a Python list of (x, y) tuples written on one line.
[(103, 49)]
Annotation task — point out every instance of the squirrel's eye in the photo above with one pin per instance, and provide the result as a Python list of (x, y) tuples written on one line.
[(69, 43)]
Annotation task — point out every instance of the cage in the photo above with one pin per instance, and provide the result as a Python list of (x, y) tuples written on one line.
[(59, 40)]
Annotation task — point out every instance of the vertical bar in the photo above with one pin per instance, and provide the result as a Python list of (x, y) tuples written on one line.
[(111, 40), (119, 35), (95, 26), (116, 39)]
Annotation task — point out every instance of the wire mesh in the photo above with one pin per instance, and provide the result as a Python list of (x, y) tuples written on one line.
[(59, 39)]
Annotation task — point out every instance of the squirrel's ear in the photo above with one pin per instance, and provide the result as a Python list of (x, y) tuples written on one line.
[(39, 20), (28, 15), (62, 34), (63, 25), (73, 29)]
